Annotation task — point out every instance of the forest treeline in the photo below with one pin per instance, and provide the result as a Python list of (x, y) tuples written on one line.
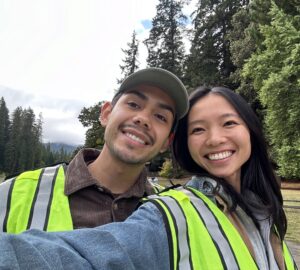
[(252, 47), (21, 146)]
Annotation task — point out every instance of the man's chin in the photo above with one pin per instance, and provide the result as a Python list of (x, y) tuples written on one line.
[(132, 160)]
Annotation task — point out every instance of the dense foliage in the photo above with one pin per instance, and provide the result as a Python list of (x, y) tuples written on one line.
[(89, 117), (275, 70)]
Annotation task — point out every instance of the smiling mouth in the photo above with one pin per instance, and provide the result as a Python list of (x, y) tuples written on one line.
[(135, 138), (219, 156)]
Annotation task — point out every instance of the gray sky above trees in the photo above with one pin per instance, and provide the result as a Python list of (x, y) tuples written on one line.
[(58, 56)]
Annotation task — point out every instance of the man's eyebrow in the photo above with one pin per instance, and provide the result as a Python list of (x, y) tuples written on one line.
[(137, 93), (144, 97), (167, 107)]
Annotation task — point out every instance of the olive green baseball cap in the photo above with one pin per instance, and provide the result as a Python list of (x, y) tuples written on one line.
[(163, 79)]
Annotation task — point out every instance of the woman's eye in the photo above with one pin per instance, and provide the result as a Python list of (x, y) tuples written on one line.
[(230, 123), (197, 130)]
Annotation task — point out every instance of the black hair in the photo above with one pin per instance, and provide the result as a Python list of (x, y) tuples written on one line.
[(257, 174)]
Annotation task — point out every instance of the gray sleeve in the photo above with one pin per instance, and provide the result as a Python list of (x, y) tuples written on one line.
[(138, 243)]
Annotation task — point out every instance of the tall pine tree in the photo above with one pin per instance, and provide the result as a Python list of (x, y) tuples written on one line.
[(12, 151), (130, 62), (209, 61), (4, 126), (165, 43), (37, 141), (242, 45), (28, 146)]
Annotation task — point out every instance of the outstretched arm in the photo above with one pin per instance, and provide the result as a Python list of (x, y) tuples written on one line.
[(138, 243)]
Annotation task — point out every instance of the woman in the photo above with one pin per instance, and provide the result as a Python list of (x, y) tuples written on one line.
[(221, 136), (231, 218)]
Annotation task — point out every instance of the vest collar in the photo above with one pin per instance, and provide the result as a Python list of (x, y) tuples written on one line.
[(210, 187)]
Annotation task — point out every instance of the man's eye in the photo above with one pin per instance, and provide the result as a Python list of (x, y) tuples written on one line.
[(161, 117), (133, 105)]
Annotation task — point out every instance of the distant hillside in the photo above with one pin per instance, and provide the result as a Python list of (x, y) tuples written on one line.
[(55, 147)]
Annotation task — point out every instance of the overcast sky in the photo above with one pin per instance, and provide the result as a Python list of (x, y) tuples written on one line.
[(58, 56)]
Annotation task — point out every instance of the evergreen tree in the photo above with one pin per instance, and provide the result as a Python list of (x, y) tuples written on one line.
[(37, 141), (130, 62), (275, 71), (4, 127), (165, 45), (23, 150), (209, 61), (242, 45), (89, 117), (48, 155), (62, 155), (12, 150), (27, 145), (245, 38)]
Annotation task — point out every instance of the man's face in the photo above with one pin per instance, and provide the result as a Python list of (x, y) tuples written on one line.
[(138, 126)]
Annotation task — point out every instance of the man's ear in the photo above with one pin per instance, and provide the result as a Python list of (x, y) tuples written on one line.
[(106, 109), (167, 143)]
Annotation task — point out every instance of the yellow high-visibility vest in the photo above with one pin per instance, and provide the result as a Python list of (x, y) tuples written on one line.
[(35, 200), (201, 236)]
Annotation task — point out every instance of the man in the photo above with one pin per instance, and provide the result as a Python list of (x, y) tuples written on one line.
[(100, 188)]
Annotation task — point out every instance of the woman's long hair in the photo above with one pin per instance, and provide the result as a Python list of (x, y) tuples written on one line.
[(257, 174)]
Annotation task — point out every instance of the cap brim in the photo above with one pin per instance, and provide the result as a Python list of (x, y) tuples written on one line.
[(166, 81)]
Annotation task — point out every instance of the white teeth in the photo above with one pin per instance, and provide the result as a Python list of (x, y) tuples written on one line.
[(135, 138), (220, 155)]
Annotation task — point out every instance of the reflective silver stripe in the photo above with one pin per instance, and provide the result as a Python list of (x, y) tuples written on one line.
[(183, 244), (42, 198), (4, 190), (214, 230)]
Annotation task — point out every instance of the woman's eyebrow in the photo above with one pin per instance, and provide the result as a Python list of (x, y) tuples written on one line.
[(198, 121), (230, 115), (225, 115)]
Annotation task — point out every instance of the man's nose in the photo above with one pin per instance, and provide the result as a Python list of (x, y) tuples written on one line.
[(142, 119)]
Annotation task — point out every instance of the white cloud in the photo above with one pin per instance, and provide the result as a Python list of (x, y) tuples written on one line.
[(58, 56), (60, 116), (65, 54)]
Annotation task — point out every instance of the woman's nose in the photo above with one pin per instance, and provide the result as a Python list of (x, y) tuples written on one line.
[(215, 137)]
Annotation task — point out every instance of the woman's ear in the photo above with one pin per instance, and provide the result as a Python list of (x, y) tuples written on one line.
[(106, 109)]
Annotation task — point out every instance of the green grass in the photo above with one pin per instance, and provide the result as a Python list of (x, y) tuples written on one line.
[(293, 215)]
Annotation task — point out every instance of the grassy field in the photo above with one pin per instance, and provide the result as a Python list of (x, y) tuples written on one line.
[(293, 215)]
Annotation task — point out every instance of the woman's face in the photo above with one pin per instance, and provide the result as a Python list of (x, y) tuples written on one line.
[(218, 139)]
